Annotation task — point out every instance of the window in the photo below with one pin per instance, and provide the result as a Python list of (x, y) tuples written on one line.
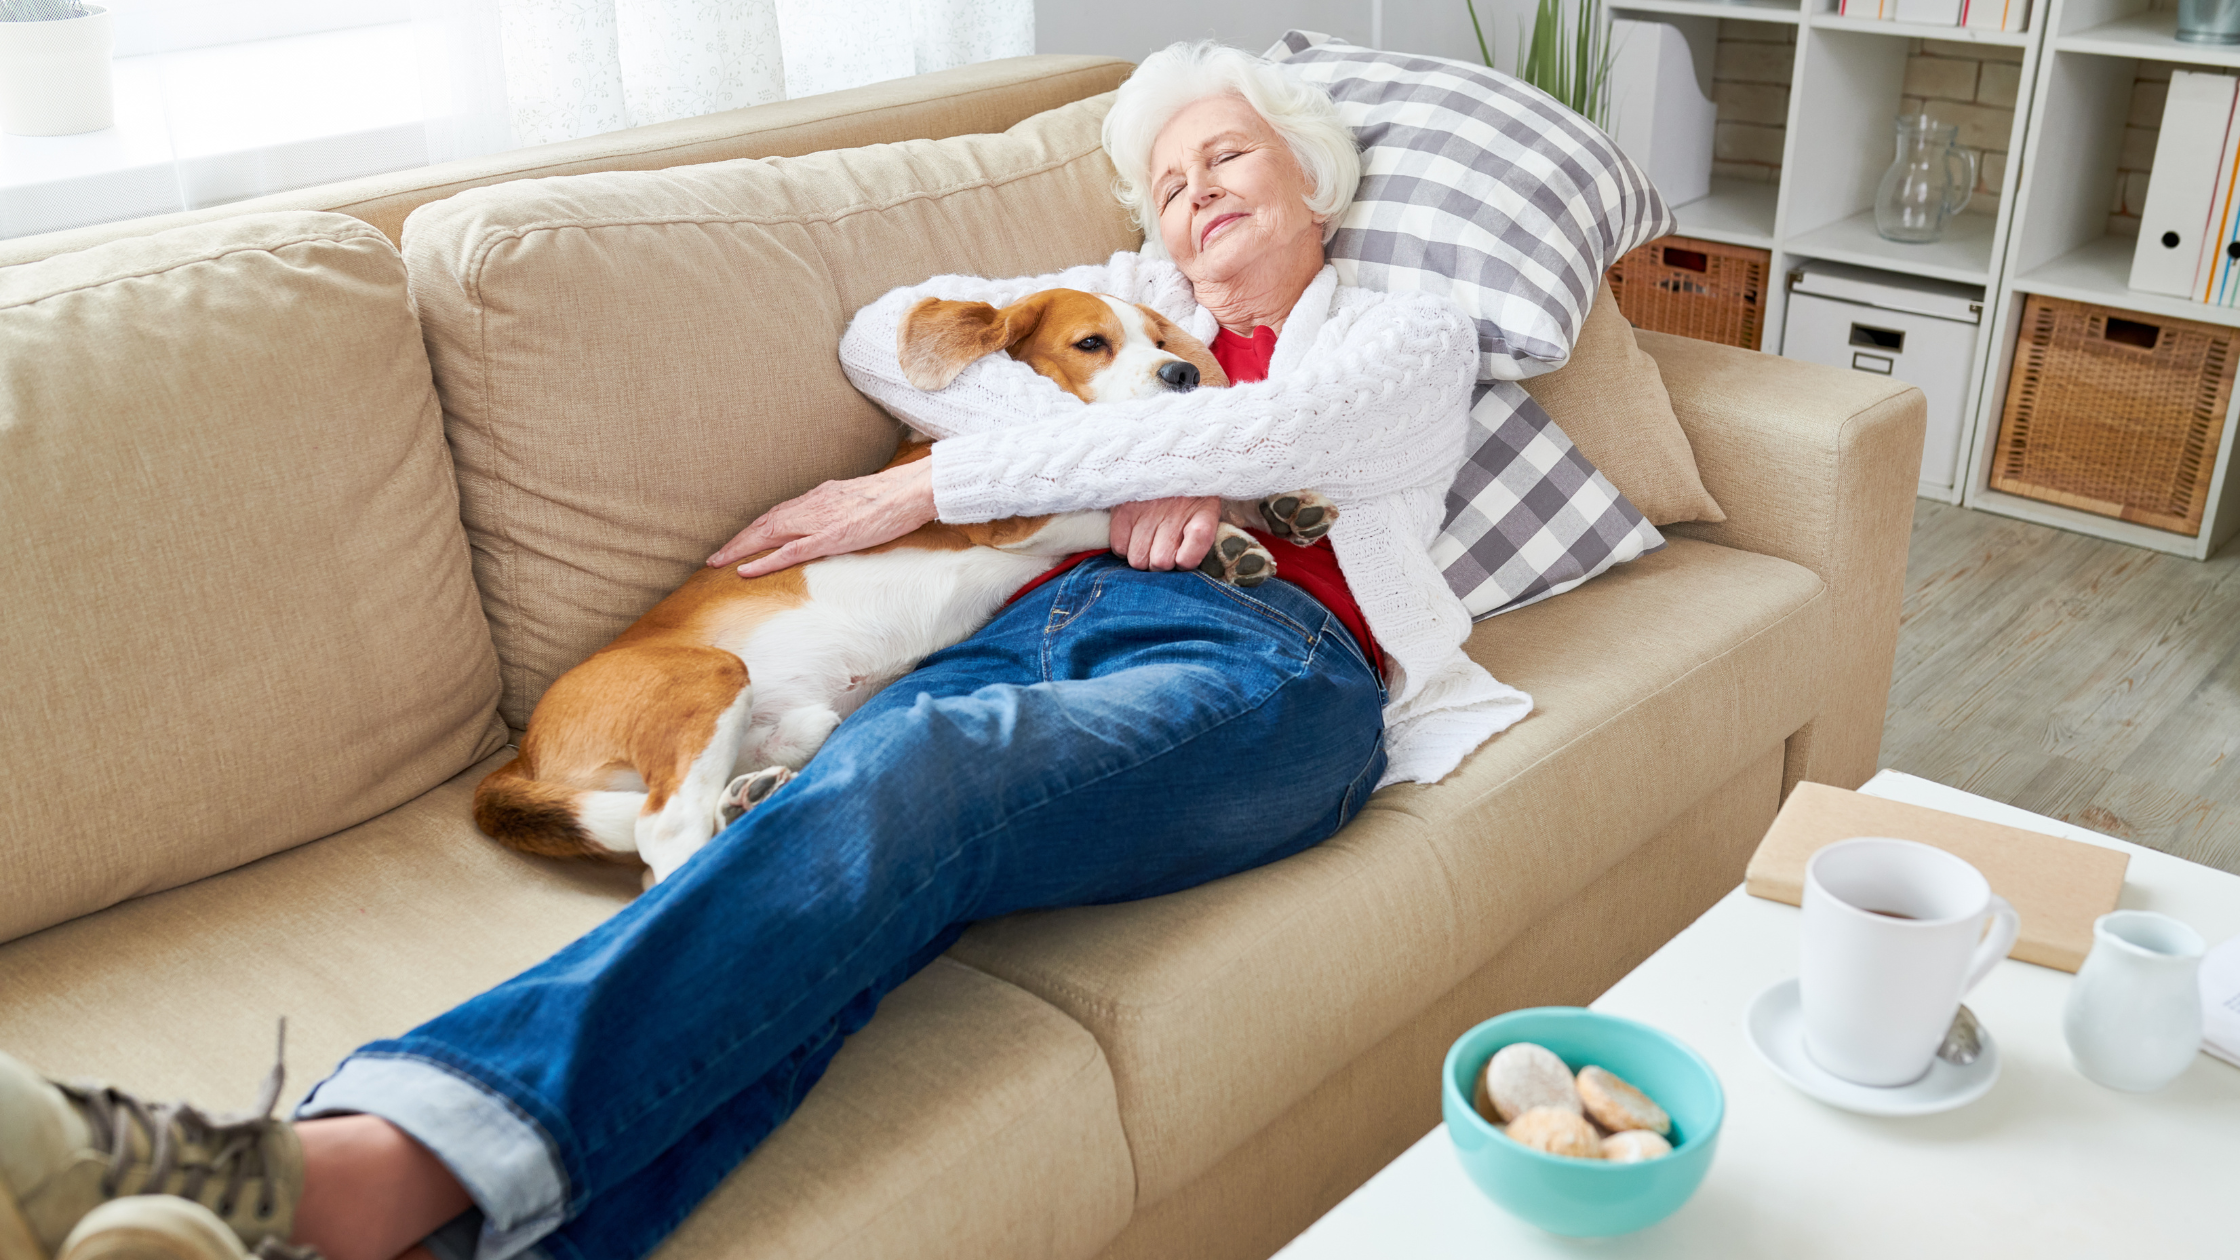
[(163, 26)]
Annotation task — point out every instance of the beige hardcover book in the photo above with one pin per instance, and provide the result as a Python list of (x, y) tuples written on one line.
[(2058, 886)]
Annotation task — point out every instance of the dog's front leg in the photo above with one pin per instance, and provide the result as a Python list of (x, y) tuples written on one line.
[(1243, 515), (1302, 517)]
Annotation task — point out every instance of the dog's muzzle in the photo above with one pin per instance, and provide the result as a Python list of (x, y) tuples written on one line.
[(1179, 375)]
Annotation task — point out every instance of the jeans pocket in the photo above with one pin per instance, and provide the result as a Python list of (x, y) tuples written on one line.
[(1247, 600), (1062, 615)]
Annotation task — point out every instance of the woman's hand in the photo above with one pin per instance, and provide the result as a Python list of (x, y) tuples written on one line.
[(834, 518), (1165, 533)]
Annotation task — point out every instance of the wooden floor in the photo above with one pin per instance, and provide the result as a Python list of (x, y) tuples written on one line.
[(2085, 680)]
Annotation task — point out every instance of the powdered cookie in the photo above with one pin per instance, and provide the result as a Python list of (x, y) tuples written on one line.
[(1523, 1076), (1633, 1146), (1617, 1106), (1558, 1132)]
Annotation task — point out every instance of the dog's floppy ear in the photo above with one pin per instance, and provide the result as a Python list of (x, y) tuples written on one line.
[(1186, 347), (938, 338)]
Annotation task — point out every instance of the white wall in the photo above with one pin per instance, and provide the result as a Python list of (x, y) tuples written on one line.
[(1133, 28)]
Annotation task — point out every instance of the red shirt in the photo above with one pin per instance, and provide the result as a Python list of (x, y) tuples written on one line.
[(1312, 569)]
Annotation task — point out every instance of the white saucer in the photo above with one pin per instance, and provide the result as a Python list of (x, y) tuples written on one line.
[(1775, 1026)]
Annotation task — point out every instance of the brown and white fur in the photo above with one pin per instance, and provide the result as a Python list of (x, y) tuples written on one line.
[(645, 747)]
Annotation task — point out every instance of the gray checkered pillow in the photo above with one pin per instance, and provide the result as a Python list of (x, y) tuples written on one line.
[(1479, 187), (1528, 516)]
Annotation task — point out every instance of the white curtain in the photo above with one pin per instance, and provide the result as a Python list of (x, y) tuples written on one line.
[(220, 100), (509, 73)]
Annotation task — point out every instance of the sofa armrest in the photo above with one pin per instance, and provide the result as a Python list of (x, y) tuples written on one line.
[(1817, 466)]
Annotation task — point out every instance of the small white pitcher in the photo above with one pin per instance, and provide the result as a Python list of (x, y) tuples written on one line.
[(2134, 1014)]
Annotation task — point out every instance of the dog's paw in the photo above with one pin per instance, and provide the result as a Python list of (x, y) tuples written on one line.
[(748, 791), (1301, 518), (1237, 558)]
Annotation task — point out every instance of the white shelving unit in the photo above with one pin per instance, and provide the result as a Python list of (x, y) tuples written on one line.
[(1844, 91), (2058, 244)]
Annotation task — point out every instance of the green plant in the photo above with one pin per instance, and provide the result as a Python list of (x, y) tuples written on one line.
[(40, 10), (1569, 60)]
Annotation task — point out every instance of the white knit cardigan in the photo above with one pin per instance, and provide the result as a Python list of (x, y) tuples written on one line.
[(1367, 400)]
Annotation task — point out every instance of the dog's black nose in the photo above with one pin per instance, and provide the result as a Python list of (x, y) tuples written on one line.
[(1179, 375)]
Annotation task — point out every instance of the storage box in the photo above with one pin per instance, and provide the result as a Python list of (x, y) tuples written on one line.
[(1922, 332), (2115, 413), (1699, 289)]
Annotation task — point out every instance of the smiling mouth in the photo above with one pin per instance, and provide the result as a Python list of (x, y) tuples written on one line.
[(1215, 226)]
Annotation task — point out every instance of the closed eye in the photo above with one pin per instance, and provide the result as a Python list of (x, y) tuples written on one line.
[(1087, 344)]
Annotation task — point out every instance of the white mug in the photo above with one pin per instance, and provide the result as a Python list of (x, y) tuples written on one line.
[(1893, 938)]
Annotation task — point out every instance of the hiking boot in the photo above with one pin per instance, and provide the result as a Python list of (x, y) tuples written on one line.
[(160, 1227), (67, 1148)]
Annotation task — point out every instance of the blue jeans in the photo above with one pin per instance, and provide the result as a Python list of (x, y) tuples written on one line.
[(1115, 734)]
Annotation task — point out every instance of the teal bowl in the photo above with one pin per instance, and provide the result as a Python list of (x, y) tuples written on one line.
[(1586, 1198)]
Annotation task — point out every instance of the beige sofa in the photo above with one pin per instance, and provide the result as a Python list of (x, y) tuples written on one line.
[(300, 527)]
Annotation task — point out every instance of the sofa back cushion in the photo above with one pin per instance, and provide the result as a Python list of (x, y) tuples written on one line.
[(1610, 400), (235, 603), (633, 365)]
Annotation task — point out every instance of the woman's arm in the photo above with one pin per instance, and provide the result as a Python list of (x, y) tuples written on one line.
[(1382, 411), (843, 516), (997, 391), (836, 517)]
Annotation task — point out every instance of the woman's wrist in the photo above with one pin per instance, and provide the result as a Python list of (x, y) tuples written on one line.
[(917, 479)]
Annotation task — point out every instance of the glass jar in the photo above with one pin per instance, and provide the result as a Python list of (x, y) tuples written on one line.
[(2209, 21), (1931, 180)]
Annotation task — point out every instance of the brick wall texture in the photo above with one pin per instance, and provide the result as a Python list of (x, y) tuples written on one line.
[(2143, 128), (1974, 87), (1750, 83)]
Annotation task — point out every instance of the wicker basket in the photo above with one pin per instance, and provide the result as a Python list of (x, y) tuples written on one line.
[(2115, 413), (1699, 289)]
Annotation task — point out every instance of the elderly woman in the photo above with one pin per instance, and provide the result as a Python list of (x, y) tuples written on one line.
[(1122, 729)]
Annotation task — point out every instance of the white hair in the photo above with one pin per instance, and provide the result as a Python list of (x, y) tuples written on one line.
[(1182, 74)]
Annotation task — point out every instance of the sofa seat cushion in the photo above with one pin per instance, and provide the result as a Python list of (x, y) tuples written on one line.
[(1221, 1006), (968, 1118), (235, 604)]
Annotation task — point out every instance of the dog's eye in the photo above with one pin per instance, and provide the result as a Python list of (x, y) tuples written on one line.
[(1089, 343), (1162, 345)]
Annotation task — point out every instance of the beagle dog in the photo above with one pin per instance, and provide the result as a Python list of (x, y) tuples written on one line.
[(720, 692)]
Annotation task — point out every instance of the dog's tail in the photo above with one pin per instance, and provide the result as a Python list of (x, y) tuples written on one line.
[(553, 819)]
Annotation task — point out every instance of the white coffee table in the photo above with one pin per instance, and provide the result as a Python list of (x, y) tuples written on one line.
[(2047, 1164)]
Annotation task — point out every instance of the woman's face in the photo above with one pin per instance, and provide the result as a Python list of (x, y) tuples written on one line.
[(1228, 192)]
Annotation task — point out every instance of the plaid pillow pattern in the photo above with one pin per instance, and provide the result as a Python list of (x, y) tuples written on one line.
[(1528, 516), (1480, 187), (1485, 190)]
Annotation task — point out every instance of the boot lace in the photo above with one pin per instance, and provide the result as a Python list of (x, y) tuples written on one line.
[(232, 1144)]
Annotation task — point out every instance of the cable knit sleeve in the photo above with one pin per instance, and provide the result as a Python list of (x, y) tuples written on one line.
[(1380, 405), (998, 391)]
